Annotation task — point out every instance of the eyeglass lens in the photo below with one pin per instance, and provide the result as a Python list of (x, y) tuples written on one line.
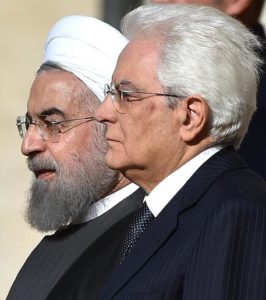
[(48, 132), (117, 97)]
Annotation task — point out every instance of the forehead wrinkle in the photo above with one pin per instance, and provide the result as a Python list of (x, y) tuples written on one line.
[(146, 54), (74, 85), (72, 94), (55, 93)]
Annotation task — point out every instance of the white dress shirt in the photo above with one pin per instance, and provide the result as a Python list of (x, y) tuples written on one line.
[(169, 186), (103, 205)]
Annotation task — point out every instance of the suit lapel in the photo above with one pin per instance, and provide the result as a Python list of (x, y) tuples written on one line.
[(167, 221), (57, 253)]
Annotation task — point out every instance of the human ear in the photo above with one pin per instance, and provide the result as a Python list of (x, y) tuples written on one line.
[(195, 112)]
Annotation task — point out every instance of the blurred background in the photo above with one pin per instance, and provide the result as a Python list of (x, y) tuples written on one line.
[(23, 29)]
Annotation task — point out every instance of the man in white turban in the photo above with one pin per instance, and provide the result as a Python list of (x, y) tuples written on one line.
[(73, 192)]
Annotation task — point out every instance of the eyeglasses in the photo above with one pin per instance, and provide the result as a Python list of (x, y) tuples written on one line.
[(49, 131), (121, 98)]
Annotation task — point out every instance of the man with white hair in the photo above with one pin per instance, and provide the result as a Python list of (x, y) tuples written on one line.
[(73, 191), (179, 104), (253, 147)]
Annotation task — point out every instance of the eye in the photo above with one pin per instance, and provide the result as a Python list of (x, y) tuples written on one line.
[(129, 95), (51, 126), (125, 95), (46, 123)]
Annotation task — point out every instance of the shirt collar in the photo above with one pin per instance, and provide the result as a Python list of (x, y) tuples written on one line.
[(103, 205), (169, 186)]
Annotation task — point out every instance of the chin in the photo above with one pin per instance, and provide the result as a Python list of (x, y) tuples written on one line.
[(113, 161), (112, 164)]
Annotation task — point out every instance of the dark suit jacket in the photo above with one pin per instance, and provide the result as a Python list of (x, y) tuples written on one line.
[(253, 147), (208, 243), (45, 274)]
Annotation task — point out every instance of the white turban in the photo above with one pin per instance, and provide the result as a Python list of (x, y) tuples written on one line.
[(87, 47)]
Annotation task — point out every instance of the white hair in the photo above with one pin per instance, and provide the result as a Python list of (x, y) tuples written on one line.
[(204, 52)]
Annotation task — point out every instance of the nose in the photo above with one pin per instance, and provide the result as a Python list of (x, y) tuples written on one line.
[(105, 111), (32, 142)]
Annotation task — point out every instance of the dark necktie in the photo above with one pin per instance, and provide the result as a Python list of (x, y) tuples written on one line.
[(139, 223)]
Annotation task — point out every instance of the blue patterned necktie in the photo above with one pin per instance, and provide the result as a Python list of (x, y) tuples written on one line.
[(139, 223)]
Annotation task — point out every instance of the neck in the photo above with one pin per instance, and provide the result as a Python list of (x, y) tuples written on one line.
[(148, 178), (122, 182)]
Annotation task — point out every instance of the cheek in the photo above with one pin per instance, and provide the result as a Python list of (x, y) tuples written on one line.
[(71, 159), (76, 140), (61, 156), (138, 139), (67, 153), (143, 130), (149, 136)]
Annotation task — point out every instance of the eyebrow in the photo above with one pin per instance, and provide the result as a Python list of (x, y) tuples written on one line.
[(48, 112), (51, 111), (126, 84)]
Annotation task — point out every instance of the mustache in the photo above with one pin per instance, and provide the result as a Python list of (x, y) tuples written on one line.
[(36, 164)]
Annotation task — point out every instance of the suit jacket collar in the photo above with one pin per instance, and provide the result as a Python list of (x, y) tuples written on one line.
[(167, 221), (103, 205), (57, 253)]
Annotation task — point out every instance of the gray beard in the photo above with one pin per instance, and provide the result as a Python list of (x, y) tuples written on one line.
[(58, 203)]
